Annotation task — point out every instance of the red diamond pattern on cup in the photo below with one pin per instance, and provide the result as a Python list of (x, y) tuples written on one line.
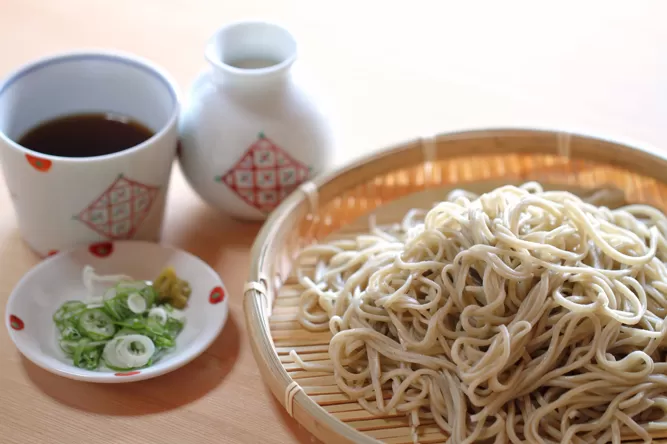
[(265, 175), (118, 212)]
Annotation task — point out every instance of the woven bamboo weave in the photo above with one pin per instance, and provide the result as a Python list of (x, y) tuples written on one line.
[(413, 174)]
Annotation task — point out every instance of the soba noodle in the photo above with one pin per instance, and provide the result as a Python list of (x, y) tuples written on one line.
[(517, 315)]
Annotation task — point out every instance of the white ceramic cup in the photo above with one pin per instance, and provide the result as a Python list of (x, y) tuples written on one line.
[(63, 202)]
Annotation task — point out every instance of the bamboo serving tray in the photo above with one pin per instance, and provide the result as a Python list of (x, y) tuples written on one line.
[(415, 174)]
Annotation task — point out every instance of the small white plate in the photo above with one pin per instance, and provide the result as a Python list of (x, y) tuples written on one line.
[(57, 279)]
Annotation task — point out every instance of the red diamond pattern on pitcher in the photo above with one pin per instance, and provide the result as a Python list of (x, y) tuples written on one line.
[(265, 175), (118, 212)]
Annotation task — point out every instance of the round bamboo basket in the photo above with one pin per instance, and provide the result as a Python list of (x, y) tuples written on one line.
[(410, 175)]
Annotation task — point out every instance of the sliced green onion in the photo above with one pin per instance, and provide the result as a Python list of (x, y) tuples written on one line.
[(125, 332), (136, 303), (90, 358), (78, 351), (174, 327), (150, 295), (130, 351), (131, 285), (119, 327), (96, 324), (67, 310), (70, 332), (109, 294), (135, 323), (68, 346), (163, 342), (159, 314), (86, 354), (174, 312), (117, 307)]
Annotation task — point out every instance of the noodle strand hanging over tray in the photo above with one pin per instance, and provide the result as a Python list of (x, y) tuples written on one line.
[(517, 315)]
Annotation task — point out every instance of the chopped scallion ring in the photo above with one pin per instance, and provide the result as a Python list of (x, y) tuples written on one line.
[(127, 326)]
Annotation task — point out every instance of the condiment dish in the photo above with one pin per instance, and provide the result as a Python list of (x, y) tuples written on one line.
[(38, 295)]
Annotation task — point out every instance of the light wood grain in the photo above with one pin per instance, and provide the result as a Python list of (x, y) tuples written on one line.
[(388, 73)]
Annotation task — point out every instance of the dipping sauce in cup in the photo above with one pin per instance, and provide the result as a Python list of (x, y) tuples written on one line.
[(87, 141)]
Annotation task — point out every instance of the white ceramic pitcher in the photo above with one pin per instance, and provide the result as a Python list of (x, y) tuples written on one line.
[(250, 133)]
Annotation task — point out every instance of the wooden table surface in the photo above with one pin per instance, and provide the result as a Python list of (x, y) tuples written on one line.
[(389, 72)]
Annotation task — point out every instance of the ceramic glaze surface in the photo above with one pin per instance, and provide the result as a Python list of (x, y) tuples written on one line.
[(64, 202), (34, 300), (251, 132)]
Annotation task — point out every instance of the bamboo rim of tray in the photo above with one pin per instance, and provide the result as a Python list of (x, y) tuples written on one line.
[(344, 195)]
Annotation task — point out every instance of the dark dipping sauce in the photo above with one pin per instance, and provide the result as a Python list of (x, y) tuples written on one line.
[(85, 135)]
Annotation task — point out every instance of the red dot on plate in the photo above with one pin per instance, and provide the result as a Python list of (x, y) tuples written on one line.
[(217, 295), (101, 249), (16, 323), (52, 253), (136, 372)]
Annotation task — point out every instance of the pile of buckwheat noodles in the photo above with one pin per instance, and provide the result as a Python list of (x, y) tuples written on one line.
[(518, 315)]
